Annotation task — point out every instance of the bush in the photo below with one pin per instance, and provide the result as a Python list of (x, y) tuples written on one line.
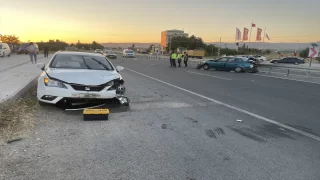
[(304, 53), (268, 51)]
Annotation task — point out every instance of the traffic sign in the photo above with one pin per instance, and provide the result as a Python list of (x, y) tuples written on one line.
[(313, 52)]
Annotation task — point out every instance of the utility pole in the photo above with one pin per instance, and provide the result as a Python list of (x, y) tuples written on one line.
[(219, 48), (212, 50), (169, 43)]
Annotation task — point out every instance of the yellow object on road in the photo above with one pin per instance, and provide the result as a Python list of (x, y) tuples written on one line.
[(95, 114)]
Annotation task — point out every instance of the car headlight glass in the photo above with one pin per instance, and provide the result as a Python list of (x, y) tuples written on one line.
[(251, 66), (110, 83), (53, 83)]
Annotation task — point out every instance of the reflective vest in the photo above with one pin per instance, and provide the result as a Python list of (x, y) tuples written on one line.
[(174, 56), (179, 56)]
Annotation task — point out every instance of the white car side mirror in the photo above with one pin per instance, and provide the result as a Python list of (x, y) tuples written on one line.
[(119, 68), (41, 66)]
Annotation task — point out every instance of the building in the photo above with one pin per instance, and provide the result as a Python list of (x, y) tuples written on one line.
[(166, 35)]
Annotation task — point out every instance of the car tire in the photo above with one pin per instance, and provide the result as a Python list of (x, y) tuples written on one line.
[(206, 67), (238, 69), (9, 55)]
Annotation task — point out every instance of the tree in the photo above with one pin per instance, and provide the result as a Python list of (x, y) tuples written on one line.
[(268, 51), (150, 47), (211, 50), (304, 53), (178, 41), (195, 43), (133, 46), (10, 39), (53, 45)]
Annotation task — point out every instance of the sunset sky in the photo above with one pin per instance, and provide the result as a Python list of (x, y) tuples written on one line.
[(143, 20)]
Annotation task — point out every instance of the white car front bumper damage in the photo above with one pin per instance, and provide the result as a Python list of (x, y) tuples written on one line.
[(80, 93)]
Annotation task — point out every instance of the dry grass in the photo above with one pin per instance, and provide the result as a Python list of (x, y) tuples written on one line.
[(16, 117)]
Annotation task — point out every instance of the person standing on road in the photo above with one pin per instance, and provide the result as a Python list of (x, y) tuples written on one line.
[(46, 51), (179, 59), (32, 52), (170, 54), (185, 59), (173, 59)]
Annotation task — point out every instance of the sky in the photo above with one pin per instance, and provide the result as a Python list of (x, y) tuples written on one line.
[(143, 20)]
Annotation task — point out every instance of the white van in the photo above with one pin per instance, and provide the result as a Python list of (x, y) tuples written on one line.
[(4, 50)]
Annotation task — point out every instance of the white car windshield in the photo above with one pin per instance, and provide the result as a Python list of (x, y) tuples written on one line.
[(67, 61), (129, 51)]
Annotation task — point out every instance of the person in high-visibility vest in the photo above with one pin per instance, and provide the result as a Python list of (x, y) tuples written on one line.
[(174, 56), (179, 59)]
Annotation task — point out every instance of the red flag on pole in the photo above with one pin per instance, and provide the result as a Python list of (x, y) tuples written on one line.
[(259, 32), (238, 34), (253, 25), (245, 34)]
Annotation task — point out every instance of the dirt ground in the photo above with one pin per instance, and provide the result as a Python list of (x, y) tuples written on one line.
[(16, 117)]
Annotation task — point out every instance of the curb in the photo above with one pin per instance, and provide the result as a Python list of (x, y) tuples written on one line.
[(22, 91)]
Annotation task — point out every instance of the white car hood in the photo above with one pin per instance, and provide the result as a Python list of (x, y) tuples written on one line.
[(83, 76)]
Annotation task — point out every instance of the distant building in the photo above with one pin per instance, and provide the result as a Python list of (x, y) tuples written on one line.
[(166, 35)]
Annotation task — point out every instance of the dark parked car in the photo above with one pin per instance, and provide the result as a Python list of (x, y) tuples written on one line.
[(288, 60), (23, 48), (236, 64)]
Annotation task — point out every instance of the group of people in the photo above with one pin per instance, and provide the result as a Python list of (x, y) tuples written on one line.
[(175, 56), (32, 49)]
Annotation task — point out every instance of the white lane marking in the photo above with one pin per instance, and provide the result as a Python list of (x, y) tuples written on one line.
[(317, 138), (209, 75), (286, 78)]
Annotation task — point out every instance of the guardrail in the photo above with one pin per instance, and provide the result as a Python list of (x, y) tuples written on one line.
[(289, 67), (288, 70)]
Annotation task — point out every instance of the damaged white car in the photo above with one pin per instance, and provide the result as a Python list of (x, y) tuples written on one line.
[(73, 78)]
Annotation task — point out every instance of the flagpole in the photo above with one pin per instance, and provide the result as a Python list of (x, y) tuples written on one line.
[(250, 35), (265, 28)]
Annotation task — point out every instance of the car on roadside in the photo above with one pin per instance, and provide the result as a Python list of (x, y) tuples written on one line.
[(128, 53), (78, 77), (110, 54), (4, 50), (23, 48), (98, 51), (229, 63), (288, 60), (260, 58)]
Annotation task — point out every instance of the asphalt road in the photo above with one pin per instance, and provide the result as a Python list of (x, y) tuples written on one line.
[(170, 132), (289, 102)]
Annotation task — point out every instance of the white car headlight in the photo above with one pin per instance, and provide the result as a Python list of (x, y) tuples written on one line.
[(53, 83), (251, 66), (110, 83)]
